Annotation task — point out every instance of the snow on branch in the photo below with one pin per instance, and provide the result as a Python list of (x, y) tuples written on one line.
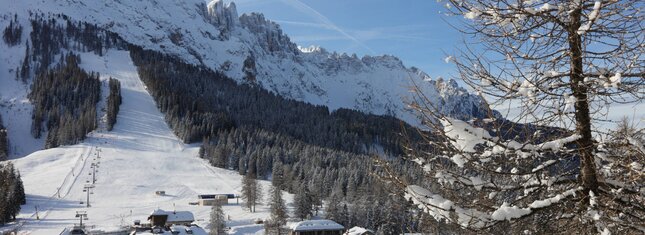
[(464, 136), (593, 16), (440, 207)]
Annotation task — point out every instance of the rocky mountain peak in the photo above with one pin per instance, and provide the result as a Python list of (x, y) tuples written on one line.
[(269, 34), (222, 15)]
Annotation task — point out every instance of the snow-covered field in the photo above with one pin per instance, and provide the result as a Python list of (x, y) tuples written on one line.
[(140, 156)]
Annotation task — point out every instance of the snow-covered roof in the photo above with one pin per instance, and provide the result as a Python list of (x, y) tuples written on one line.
[(180, 216), (358, 231), (181, 230), (316, 225), (159, 212), (175, 216)]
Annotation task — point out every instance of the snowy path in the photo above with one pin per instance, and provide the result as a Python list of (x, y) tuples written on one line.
[(140, 156)]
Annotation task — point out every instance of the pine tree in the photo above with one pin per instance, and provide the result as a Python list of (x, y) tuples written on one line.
[(218, 221), (278, 212), (4, 142), (334, 209), (11, 193), (303, 203), (277, 175), (25, 68), (113, 102), (251, 190)]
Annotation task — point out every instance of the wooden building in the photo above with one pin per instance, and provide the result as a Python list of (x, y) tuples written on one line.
[(161, 218), (158, 218)]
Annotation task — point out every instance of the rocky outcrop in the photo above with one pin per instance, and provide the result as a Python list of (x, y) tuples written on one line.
[(270, 36), (224, 16)]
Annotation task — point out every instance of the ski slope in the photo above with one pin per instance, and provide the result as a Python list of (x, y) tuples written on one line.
[(140, 156)]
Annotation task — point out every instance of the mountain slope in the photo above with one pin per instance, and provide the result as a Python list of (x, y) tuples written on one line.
[(252, 49), (140, 156)]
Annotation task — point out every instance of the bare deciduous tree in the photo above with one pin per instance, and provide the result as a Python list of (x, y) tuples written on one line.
[(564, 63)]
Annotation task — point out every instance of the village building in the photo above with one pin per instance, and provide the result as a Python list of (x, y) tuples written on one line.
[(158, 218), (316, 227), (161, 218), (212, 199)]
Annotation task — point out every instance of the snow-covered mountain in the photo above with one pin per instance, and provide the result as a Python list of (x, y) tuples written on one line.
[(142, 154), (139, 157), (250, 48)]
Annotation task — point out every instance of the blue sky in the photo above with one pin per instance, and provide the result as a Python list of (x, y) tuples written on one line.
[(413, 30)]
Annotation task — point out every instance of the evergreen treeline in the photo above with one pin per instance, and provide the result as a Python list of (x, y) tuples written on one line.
[(113, 102), (314, 173), (65, 99), (4, 142), (51, 33), (12, 193), (64, 95), (199, 103), (13, 32)]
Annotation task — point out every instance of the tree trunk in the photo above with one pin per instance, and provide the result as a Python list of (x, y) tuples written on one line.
[(588, 176)]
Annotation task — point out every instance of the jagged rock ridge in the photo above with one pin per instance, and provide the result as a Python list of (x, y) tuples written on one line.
[(252, 49)]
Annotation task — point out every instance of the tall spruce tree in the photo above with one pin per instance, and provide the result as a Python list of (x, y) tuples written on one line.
[(334, 209), (278, 212), (303, 203), (113, 102), (4, 142), (251, 190), (218, 220), (11, 193)]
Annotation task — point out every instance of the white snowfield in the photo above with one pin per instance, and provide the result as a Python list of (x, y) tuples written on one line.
[(140, 156)]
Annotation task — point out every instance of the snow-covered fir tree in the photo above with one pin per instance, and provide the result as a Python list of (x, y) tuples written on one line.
[(303, 203), (12, 193), (4, 142), (278, 212), (218, 220)]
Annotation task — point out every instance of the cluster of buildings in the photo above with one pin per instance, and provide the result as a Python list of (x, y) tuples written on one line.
[(182, 222)]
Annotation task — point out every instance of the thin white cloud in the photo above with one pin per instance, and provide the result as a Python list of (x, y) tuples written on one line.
[(403, 32), (302, 7), (318, 38), (305, 24)]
